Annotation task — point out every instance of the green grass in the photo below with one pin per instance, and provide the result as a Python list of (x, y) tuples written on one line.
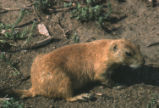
[(154, 102), (30, 33), (12, 103), (91, 10), (43, 5), (10, 28), (12, 33), (9, 63), (75, 38)]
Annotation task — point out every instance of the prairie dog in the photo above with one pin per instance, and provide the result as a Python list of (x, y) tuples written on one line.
[(58, 73)]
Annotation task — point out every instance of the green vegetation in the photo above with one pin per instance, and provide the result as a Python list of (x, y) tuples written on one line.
[(30, 33), (12, 103), (10, 31), (154, 102), (10, 28), (43, 5), (91, 10), (75, 38), (8, 62)]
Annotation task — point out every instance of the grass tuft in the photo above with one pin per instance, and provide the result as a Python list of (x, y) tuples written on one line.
[(9, 63), (91, 10), (12, 103)]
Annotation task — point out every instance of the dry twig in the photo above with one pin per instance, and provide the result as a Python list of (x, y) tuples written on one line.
[(35, 45), (17, 9), (39, 43), (153, 44)]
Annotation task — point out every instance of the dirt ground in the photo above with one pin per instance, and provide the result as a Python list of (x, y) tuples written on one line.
[(134, 20)]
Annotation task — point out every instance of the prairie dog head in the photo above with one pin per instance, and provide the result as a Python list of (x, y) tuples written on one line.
[(126, 53)]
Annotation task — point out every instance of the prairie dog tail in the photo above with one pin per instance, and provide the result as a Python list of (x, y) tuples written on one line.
[(22, 93)]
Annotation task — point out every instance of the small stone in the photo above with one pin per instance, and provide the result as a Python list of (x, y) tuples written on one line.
[(3, 31), (99, 94), (43, 30)]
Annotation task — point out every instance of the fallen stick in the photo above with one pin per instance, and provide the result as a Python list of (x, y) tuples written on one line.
[(17, 9), (153, 44), (35, 45), (41, 43)]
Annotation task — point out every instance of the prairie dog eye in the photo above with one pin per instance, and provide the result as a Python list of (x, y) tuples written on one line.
[(115, 48), (128, 54)]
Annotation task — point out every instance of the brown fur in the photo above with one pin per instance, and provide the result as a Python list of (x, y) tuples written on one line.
[(59, 72)]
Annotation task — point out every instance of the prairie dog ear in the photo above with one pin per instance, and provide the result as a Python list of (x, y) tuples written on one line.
[(114, 47)]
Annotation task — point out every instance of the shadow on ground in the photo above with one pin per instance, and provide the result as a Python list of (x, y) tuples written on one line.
[(146, 74)]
